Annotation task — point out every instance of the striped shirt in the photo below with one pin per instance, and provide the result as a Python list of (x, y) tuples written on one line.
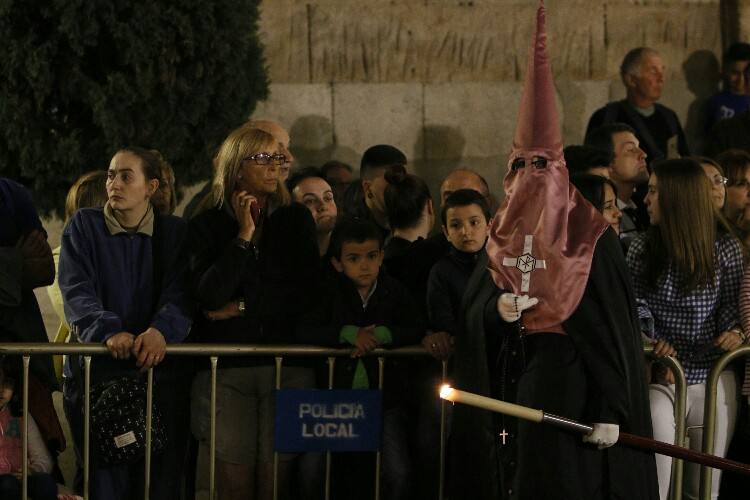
[(690, 321)]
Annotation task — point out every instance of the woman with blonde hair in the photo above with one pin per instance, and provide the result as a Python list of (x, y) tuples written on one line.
[(686, 273), (252, 256)]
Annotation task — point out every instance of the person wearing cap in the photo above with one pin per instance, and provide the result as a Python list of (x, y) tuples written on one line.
[(549, 323)]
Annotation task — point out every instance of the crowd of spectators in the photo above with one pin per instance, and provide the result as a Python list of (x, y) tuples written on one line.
[(267, 253)]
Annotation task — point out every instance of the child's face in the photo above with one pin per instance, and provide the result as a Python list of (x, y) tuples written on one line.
[(466, 228), (360, 262)]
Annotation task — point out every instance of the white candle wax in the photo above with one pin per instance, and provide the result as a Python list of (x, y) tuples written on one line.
[(450, 394)]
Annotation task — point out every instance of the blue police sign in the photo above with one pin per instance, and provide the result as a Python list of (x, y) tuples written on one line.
[(336, 420)]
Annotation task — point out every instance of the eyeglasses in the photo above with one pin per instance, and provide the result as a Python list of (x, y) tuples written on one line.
[(266, 159), (536, 162), (718, 181), (740, 184)]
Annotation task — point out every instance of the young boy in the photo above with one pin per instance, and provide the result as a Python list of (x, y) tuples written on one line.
[(465, 217), (363, 308)]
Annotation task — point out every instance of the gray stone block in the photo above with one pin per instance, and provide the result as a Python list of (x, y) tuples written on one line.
[(305, 110), (368, 114)]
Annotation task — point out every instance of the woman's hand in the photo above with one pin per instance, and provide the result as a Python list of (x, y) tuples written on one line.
[(230, 310), (729, 340), (438, 344), (149, 348), (241, 204), (120, 345), (662, 348)]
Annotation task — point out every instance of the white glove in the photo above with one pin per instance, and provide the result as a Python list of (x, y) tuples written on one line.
[(510, 306), (603, 435)]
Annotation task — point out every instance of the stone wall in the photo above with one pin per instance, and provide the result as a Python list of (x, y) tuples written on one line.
[(441, 79)]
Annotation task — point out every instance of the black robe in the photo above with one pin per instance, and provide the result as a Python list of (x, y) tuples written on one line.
[(595, 374)]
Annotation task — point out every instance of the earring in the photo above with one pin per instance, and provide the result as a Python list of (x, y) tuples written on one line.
[(370, 195)]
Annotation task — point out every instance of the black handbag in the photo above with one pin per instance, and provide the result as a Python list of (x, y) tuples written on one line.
[(118, 421)]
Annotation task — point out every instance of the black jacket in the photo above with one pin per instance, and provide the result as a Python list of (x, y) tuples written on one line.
[(339, 304), (275, 278), (445, 289)]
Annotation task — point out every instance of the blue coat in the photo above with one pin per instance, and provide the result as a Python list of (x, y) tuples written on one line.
[(107, 282)]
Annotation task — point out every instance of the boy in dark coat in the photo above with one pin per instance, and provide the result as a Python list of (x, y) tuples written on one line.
[(365, 309)]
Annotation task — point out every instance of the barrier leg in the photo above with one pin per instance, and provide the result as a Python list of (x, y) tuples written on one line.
[(379, 455), (278, 359), (441, 478), (331, 366), (86, 425), (25, 446), (212, 445)]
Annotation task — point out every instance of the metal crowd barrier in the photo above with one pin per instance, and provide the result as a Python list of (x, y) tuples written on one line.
[(680, 408), (278, 352), (709, 414)]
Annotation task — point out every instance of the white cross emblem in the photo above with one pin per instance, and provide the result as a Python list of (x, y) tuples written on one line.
[(526, 263)]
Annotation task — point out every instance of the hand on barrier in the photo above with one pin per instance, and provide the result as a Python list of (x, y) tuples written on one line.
[(365, 341), (603, 435), (662, 348), (149, 348), (438, 344), (120, 345), (730, 340), (510, 306)]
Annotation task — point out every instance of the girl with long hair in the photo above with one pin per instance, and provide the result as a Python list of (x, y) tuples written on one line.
[(686, 271)]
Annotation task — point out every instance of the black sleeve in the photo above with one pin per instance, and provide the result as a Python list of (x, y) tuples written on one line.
[(316, 326), (217, 265), (441, 314), (408, 325), (605, 332)]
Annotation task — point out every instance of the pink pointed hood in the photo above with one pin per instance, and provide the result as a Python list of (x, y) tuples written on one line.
[(543, 236)]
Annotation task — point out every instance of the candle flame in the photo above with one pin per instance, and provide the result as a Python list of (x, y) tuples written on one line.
[(446, 392)]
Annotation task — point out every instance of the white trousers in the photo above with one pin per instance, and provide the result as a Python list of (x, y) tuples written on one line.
[(662, 414)]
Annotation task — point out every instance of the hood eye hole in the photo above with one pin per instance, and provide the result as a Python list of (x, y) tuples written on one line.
[(539, 162), (518, 164)]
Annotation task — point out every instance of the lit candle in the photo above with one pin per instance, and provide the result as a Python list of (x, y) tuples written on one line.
[(450, 394)]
